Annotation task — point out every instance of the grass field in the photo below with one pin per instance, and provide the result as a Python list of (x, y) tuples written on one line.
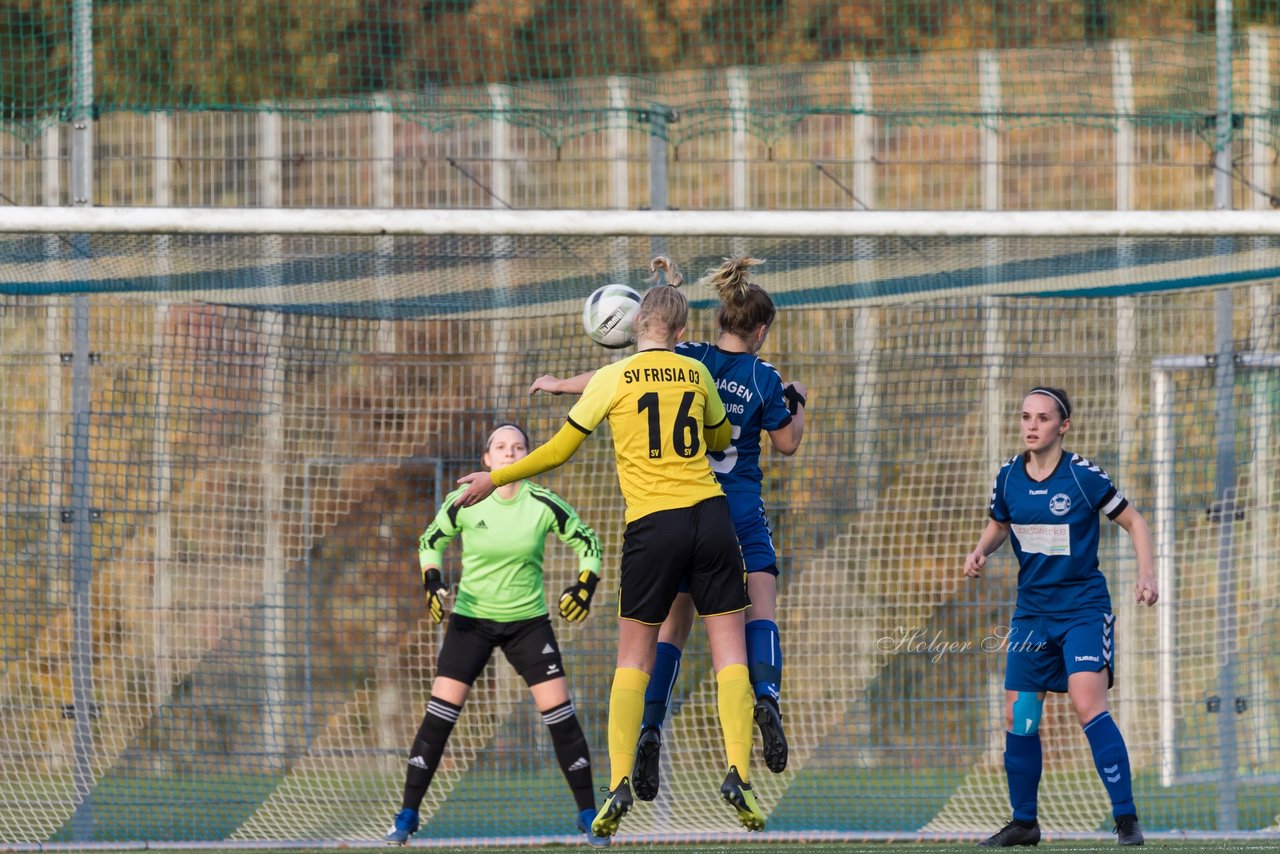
[(157, 809)]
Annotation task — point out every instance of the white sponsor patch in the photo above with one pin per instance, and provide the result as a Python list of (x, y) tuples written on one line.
[(1051, 540)]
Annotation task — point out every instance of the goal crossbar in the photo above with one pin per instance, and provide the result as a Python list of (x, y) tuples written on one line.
[(105, 220)]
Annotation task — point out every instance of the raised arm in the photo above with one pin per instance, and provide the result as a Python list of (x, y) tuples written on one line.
[(554, 385), (786, 439), (555, 452)]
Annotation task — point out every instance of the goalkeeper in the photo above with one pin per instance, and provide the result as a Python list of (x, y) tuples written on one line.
[(500, 603)]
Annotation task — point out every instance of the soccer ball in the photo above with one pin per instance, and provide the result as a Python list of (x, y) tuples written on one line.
[(608, 313)]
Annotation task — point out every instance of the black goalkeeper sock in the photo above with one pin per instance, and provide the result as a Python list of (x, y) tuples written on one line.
[(427, 749), (571, 752)]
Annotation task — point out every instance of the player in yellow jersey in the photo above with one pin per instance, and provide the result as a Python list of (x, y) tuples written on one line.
[(664, 413)]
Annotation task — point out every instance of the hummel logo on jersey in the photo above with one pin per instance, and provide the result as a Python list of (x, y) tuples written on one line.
[(481, 524), (1092, 658), (548, 649), (578, 764), (1037, 492), (418, 762)]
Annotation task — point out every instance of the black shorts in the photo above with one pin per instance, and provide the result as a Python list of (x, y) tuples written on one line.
[(530, 646), (695, 543)]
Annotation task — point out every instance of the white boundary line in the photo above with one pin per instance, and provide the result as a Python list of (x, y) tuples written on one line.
[(1267, 841)]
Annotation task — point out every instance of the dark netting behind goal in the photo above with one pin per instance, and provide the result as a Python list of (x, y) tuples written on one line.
[(218, 453)]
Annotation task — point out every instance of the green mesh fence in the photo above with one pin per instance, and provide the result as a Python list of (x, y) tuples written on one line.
[(698, 105), (218, 453), (434, 59)]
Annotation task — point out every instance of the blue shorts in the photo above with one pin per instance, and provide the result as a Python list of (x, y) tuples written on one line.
[(755, 538), (1044, 651), (754, 535)]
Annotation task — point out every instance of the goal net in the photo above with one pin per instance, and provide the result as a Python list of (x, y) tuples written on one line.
[(222, 433)]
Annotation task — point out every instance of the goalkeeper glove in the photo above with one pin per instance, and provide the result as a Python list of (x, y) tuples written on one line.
[(433, 584), (575, 601)]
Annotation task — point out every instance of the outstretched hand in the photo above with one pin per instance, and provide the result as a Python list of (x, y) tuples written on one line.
[(547, 383), (479, 487), (974, 562)]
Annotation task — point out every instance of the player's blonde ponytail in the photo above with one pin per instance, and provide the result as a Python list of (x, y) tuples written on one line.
[(744, 305), (730, 280), (665, 272), (664, 309)]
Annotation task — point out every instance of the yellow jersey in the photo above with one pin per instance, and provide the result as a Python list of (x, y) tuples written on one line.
[(658, 404)]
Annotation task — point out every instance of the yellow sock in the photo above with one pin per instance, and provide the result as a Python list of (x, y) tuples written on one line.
[(736, 704), (626, 711)]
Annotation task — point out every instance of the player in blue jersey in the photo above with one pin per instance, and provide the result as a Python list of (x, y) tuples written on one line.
[(756, 401), (1061, 636)]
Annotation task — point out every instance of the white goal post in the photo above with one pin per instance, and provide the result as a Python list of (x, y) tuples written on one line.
[(259, 409), (613, 223)]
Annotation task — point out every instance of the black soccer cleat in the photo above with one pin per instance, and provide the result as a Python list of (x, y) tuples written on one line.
[(769, 719), (644, 777), (1013, 833), (615, 807), (739, 795), (1128, 831)]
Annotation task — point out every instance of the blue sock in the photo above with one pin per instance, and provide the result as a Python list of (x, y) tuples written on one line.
[(1023, 762), (1112, 761), (764, 658), (661, 683)]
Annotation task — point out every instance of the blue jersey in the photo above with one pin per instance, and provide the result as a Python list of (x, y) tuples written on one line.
[(752, 393), (1055, 527)]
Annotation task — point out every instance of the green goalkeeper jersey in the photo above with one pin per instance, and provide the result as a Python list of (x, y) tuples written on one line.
[(502, 546)]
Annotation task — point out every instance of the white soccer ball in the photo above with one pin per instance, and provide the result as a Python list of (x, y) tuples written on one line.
[(608, 314)]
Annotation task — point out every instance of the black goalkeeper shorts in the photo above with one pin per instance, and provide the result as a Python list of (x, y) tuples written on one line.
[(529, 645), (697, 544)]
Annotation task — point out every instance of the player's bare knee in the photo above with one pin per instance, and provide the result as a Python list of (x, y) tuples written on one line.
[(1086, 712), (450, 690), (548, 694), (1088, 698)]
